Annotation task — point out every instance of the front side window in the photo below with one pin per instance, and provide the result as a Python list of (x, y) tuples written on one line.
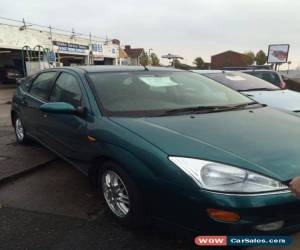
[(41, 86), (67, 89), (143, 93)]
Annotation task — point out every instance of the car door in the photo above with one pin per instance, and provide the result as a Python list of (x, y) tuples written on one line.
[(37, 95), (67, 133)]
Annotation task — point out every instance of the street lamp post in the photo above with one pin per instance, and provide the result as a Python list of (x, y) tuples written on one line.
[(288, 69), (172, 57)]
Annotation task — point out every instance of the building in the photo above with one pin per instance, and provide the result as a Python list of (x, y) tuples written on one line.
[(104, 53), (123, 57), (227, 59), (133, 55), (27, 47)]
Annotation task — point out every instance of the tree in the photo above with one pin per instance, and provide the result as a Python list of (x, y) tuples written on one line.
[(144, 59), (176, 63), (154, 60), (260, 58), (249, 57), (199, 63), (179, 65)]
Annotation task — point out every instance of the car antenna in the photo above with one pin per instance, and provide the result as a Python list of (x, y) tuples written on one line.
[(146, 69)]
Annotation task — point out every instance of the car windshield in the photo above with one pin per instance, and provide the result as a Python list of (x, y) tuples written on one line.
[(241, 81), (268, 76), (151, 93)]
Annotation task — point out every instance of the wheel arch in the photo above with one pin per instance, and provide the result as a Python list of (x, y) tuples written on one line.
[(133, 166), (12, 117)]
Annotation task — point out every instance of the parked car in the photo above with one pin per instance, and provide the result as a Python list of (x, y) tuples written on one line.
[(257, 89), (168, 144), (269, 76), (9, 75)]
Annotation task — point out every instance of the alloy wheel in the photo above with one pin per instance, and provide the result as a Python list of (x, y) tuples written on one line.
[(115, 193), (19, 129)]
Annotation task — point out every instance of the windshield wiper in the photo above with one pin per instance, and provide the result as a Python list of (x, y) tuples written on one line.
[(258, 89), (207, 109)]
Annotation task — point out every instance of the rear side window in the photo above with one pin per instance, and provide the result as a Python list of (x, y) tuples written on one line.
[(240, 81), (67, 89), (267, 76), (42, 85)]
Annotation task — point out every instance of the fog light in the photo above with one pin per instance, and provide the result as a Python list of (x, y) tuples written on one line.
[(270, 226), (222, 215)]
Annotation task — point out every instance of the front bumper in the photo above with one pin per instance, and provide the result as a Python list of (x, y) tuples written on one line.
[(257, 210), (191, 213)]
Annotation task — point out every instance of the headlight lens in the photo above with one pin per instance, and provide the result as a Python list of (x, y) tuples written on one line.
[(224, 178)]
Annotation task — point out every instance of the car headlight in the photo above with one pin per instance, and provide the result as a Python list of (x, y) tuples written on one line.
[(224, 178)]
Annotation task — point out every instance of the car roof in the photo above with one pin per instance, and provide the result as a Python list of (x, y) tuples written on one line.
[(227, 71), (114, 68), (206, 71), (258, 70)]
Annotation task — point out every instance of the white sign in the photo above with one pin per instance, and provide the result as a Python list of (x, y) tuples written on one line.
[(158, 81), (235, 78), (278, 53)]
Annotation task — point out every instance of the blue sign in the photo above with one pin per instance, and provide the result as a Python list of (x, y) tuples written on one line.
[(97, 47), (52, 56), (71, 47), (68, 49)]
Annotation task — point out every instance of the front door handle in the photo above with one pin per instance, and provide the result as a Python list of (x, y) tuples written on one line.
[(23, 100)]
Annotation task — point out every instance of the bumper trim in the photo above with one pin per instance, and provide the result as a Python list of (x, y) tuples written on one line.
[(249, 194)]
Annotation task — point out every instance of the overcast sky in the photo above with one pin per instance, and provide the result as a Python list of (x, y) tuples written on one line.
[(189, 28)]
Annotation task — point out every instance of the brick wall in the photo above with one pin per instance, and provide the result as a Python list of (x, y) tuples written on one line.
[(227, 59)]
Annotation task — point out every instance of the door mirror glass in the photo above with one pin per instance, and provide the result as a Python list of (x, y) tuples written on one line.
[(58, 108)]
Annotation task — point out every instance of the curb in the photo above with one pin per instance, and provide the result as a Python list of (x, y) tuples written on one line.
[(19, 174)]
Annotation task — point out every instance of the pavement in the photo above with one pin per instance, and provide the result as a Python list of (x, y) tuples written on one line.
[(20, 159), (47, 204)]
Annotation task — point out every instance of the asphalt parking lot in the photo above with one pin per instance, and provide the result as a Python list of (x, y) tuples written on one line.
[(47, 204)]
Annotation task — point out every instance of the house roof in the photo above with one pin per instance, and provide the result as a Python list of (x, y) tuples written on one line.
[(226, 52), (134, 53), (122, 53)]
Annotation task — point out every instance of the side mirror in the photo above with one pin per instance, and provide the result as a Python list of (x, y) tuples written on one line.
[(58, 108)]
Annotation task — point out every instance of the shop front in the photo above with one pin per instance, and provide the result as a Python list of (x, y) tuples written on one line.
[(71, 54), (27, 50), (11, 67)]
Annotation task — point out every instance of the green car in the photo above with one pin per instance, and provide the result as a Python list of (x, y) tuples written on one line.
[(167, 144)]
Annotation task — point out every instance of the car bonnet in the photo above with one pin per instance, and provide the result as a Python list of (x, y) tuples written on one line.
[(283, 99), (262, 140)]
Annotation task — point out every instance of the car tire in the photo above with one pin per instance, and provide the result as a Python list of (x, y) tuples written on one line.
[(20, 131), (121, 195)]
